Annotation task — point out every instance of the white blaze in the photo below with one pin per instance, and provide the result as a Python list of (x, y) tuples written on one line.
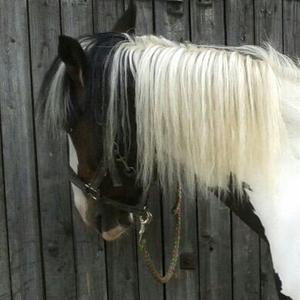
[(80, 200)]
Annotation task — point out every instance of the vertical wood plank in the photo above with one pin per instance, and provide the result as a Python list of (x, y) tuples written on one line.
[(148, 287), (245, 243), (240, 22), (77, 19), (106, 13), (291, 28), (122, 268), (144, 18), (5, 285), (267, 284), (268, 28), (56, 217), (268, 22), (172, 21), (213, 217), (215, 249), (246, 261), (207, 22), (18, 152)]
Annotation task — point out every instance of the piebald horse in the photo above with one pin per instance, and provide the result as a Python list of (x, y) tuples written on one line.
[(224, 120)]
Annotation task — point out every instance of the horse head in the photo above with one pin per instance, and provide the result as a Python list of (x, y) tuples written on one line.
[(77, 75)]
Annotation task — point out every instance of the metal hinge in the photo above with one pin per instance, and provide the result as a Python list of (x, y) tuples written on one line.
[(175, 7), (205, 3)]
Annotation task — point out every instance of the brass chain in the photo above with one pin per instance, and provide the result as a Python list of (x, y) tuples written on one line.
[(176, 247)]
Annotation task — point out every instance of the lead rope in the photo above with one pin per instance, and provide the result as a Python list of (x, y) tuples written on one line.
[(175, 252)]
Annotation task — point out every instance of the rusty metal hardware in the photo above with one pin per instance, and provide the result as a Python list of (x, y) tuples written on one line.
[(205, 3), (175, 7)]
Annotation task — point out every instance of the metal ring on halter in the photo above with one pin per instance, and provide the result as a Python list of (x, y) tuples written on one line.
[(146, 219)]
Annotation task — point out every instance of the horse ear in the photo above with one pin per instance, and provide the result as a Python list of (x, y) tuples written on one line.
[(73, 56), (128, 21)]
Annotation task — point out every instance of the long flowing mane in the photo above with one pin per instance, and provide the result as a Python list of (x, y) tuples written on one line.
[(203, 113)]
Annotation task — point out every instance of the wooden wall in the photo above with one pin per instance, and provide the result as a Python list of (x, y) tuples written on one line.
[(45, 250)]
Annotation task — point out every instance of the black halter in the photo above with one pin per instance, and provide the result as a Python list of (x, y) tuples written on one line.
[(93, 190)]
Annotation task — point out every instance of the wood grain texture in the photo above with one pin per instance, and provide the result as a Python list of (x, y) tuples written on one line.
[(77, 17), (172, 21), (144, 18), (122, 270), (245, 260), (18, 153), (291, 27), (240, 22), (214, 224), (106, 13), (90, 259), (148, 287), (268, 27), (268, 23), (121, 255), (55, 209), (207, 22), (267, 283), (245, 243), (5, 284), (214, 249)]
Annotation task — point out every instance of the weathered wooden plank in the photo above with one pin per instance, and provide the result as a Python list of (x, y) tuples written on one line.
[(213, 217), (144, 18), (207, 21), (267, 283), (246, 261), (214, 249), (55, 209), (172, 21), (90, 259), (268, 22), (291, 21), (77, 17), (18, 153), (105, 14), (122, 269), (268, 27), (148, 287), (122, 277), (240, 22), (5, 285), (245, 243)]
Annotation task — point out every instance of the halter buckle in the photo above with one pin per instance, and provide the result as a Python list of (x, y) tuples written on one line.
[(92, 192), (144, 219)]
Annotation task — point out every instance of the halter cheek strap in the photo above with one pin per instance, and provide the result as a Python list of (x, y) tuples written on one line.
[(93, 190)]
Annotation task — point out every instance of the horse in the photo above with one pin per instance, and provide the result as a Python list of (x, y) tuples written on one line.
[(223, 120)]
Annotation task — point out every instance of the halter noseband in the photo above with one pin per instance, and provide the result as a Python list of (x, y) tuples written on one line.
[(93, 191)]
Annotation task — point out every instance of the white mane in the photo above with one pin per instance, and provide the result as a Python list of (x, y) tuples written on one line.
[(202, 112)]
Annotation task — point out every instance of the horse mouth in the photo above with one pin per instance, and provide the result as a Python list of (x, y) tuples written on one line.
[(114, 234)]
